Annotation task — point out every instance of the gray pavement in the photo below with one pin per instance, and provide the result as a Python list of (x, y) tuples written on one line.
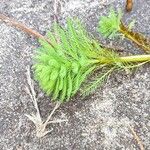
[(97, 122)]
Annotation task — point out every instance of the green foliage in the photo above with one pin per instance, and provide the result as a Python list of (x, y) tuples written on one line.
[(110, 25), (62, 68), (96, 82), (64, 65)]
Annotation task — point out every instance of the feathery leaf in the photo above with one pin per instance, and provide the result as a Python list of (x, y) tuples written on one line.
[(62, 67)]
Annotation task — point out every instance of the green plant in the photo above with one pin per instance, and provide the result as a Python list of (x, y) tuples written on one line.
[(111, 25), (62, 66)]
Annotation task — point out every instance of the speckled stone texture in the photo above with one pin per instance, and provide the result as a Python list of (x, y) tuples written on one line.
[(97, 122)]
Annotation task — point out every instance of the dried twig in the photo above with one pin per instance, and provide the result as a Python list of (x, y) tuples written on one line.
[(57, 121), (129, 5), (36, 119), (49, 117), (55, 7), (23, 27), (137, 138), (56, 11)]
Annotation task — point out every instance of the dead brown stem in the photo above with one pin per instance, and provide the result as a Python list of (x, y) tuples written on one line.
[(139, 39), (23, 27), (129, 5)]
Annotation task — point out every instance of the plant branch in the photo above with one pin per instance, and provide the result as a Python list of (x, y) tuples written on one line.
[(36, 119), (135, 58), (55, 11), (23, 27), (137, 38), (129, 4), (137, 138), (32, 94), (57, 121), (125, 59), (49, 117), (110, 25)]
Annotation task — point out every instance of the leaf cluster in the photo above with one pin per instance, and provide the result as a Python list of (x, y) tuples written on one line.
[(73, 55), (110, 25), (62, 67)]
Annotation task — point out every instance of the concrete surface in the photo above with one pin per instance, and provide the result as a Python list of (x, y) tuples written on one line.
[(97, 122)]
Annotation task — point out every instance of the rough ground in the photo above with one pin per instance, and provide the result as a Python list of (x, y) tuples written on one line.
[(98, 122)]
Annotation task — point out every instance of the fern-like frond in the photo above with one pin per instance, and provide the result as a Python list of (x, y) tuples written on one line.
[(110, 25), (97, 82), (62, 67)]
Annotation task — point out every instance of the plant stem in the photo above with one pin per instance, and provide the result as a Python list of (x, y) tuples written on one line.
[(129, 4), (137, 38), (23, 27), (137, 138), (125, 59), (136, 58), (49, 117)]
